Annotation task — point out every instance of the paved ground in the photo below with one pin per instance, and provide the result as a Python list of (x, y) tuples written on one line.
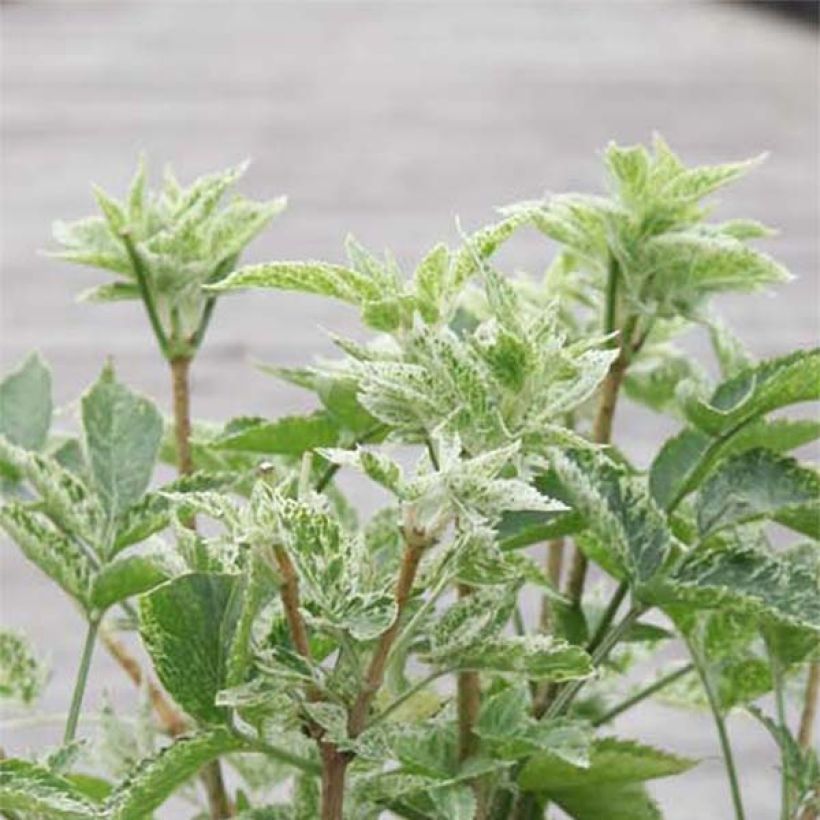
[(385, 120)]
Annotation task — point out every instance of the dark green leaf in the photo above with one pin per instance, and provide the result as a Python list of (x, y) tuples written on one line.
[(611, 801), (187, 625), (756, 484), (685, 459), (611, 761), (289, 435), (125, 577), (758, 390), (618, 511)]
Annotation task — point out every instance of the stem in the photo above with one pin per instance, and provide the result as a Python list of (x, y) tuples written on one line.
[(406, 695), (289, 593), (569, 692), (211, 773), (180, 380), (723, 735), (304, 764), (554, 565), (609, 615), (602, 426), (334, 767), (468, 702), (643, 694), (141, 272), (415, 544), (82, 679), (806, 732), (780, 704)]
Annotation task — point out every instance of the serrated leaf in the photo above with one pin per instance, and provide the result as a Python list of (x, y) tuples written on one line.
[(618, 510), (25, 404), (471, 620), (308, 277), (611, 761), (152, 512), (622, 801), (61, 558), (125, 577), (430, 278), (749, 579), (507, 727), (64, 496), (156, 778), (758, 390), (187, 625), (111, 292), (482, 244), (122, 433), (28, 787), (377, 466), (536, 657), (687, 458), (289, 435), (757, 484)]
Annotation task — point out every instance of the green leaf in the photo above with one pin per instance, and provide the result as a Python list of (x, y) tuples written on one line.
[(482, 244), (22, 675), (308, 277), (508, 730), (126, 577), (756, 484), (152, 512), (122, 433), (688, 457), (618, 510), (156, 778), (111, 292), (430, 279), (758, 390), (749, 579), (373, 464), (25, 404), (611, 801), (289, 435), (58, 556), (187, 626), (537, 657), (65, 498), (611, 761), (28, 787), (470, 621)]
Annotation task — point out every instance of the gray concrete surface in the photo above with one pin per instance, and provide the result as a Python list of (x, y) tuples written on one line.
[(384, 119)]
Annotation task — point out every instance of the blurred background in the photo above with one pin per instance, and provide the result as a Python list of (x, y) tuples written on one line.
[(385, 120)]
